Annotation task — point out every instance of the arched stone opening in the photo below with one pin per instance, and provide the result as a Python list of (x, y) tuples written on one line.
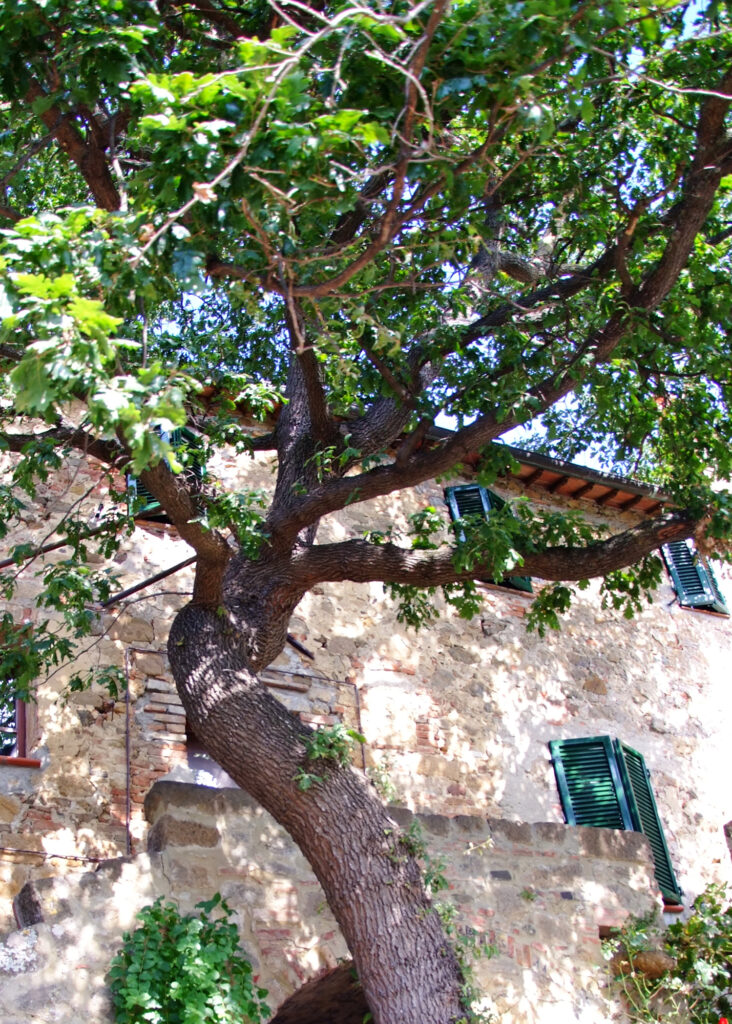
[(334, 997)]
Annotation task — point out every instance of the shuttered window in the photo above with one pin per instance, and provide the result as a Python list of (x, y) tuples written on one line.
[(605, 783), (193, 473), (473, 500), (693, 579)]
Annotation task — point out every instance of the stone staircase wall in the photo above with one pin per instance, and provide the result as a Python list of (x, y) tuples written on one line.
[(539, 892)]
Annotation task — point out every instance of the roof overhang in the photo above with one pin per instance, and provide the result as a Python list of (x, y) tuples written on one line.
[(573, 481)]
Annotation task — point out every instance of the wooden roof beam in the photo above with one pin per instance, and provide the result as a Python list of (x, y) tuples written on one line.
[(583, 490), (533, 476), (553, 488), (605, 498)]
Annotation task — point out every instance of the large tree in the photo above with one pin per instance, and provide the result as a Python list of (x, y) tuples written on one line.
[(355, 218)]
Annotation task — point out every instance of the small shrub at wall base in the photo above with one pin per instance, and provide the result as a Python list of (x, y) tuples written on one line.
[(698, 989), (185, 969)]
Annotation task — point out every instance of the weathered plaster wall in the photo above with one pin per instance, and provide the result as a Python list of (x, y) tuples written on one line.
[(537, 892), (461, 714)]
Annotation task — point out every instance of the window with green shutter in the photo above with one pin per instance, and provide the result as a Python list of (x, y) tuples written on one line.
[(146, 505), (473, 500), (605, 783), (693, 579)]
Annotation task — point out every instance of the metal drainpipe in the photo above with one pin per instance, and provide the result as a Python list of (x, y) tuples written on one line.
[(128, 790)]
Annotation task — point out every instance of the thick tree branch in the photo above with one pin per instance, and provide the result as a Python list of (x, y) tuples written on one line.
[(219, 18), (350, 223), (108, 452), (86, 153), (264, 443), (362, 562), (169, 489), (386, 418), (8, 352), (212, 549), (320, 420), (10, 213), (699, 188)]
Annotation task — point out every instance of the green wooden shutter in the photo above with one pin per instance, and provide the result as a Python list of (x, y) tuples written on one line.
[(636, 780), (473, 500), (589, 782), (603, 782), (694, 581), (193, 473)]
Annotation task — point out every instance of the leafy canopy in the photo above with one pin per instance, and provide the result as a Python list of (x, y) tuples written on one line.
[(504, 213)]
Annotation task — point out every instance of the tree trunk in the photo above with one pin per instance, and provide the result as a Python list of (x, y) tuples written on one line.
[(373, 885)]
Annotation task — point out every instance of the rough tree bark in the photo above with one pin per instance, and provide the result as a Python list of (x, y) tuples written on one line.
[(372, 882), (373, 885)]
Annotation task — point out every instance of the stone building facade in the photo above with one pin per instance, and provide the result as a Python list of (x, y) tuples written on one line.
[(459, 715)]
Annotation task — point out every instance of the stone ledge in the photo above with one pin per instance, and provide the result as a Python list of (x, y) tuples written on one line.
[(166, 797), (168, 831)]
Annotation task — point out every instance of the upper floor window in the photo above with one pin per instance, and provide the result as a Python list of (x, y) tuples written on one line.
[(146, 505), (473, 500), (12, 727), (693, 579)]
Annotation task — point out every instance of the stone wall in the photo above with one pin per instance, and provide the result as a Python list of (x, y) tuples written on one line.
[(536, 892)]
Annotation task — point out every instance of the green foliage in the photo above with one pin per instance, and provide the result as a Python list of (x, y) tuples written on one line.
[(380, 777), (332, 743), (631, 588), (414, 604), (551, 602), (236, 229), (327, 460), (241, 513), (184, 969), (699, 987), (702, 946)]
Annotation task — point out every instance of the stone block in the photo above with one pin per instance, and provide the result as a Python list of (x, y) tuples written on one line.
[(435, 824), (27, 906), (44, 899), (402, 816), (437, 767), (555, 837), (132, 630), (168, 831), (510, 831), (610, 844), (160, 686), (468, 823), (341, 645), (594, 684), (149, 663), (187, 799), (9, 807)]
